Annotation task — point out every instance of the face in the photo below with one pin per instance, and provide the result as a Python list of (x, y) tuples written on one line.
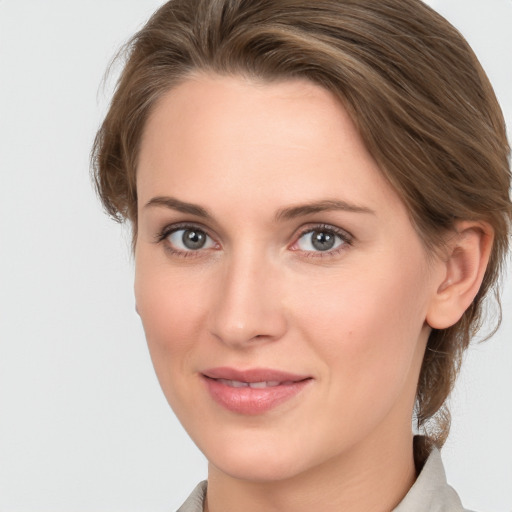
[(281, 285)]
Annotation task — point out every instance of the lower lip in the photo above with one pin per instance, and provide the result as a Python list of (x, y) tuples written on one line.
[(253, 401)]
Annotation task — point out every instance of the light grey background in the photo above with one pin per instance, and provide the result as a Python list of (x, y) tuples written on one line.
[(83, 423)]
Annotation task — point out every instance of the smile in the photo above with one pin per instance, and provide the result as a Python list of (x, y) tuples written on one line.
[(252, 392)]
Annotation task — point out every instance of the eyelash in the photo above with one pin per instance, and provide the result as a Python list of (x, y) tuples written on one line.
[(346, 238), (169, 230)]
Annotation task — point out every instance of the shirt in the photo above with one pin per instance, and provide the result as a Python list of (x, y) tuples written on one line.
[(430, 492)]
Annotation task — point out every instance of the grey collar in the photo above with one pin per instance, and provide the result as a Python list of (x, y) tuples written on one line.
[(431, 492)]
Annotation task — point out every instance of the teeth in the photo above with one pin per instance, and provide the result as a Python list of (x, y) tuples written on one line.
[(254, 385), (234, 383), (269, 384)]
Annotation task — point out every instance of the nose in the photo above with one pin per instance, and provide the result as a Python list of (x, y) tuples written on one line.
[(247, 305)]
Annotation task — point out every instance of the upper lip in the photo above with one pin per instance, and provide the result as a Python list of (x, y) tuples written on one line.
[(253, 375)]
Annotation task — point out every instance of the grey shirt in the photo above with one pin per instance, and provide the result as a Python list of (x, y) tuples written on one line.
[(430, 492)]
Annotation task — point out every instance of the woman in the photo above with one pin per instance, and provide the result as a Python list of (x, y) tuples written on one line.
[(319, 196)]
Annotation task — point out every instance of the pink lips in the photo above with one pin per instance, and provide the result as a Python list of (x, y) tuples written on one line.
[(253, 391)]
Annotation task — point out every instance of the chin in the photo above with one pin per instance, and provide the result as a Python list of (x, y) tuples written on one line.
[(258, 458), (261, 470)]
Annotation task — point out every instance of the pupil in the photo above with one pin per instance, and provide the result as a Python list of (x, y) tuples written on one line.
[(322, 240), (193, 239)]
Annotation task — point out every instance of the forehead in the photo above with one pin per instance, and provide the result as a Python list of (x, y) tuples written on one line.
[(247, 112), (230, 137)]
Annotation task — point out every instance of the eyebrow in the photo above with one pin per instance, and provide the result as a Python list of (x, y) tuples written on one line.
[(180, 206), (320, 206), (288, 213)]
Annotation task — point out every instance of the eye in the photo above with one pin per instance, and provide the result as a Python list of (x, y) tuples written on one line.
[(321, 240), (189, 239)]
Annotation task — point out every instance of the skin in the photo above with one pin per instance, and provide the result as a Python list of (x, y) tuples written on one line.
[(355, 318)]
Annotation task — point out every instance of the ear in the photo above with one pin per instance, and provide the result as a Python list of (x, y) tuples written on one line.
[(462, 272)]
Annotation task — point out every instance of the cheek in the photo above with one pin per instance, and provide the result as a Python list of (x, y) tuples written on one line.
[(170, 308), (368, 334), (367, 322)]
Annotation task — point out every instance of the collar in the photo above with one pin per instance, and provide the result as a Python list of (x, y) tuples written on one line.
[(431, 492)]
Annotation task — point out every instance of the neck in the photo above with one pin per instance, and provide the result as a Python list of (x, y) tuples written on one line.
[(370, 478)]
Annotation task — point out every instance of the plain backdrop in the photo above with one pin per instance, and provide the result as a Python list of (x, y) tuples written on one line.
[(83, 423)]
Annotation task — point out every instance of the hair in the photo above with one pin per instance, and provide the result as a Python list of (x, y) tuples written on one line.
[(410, 82)]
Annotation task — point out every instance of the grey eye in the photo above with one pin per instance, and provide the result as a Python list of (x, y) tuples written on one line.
[(319, 240), (189, 239)]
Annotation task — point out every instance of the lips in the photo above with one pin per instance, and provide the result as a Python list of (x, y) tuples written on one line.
[(254, 391)]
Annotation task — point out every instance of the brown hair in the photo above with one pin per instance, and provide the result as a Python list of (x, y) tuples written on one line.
[(411, 83)]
